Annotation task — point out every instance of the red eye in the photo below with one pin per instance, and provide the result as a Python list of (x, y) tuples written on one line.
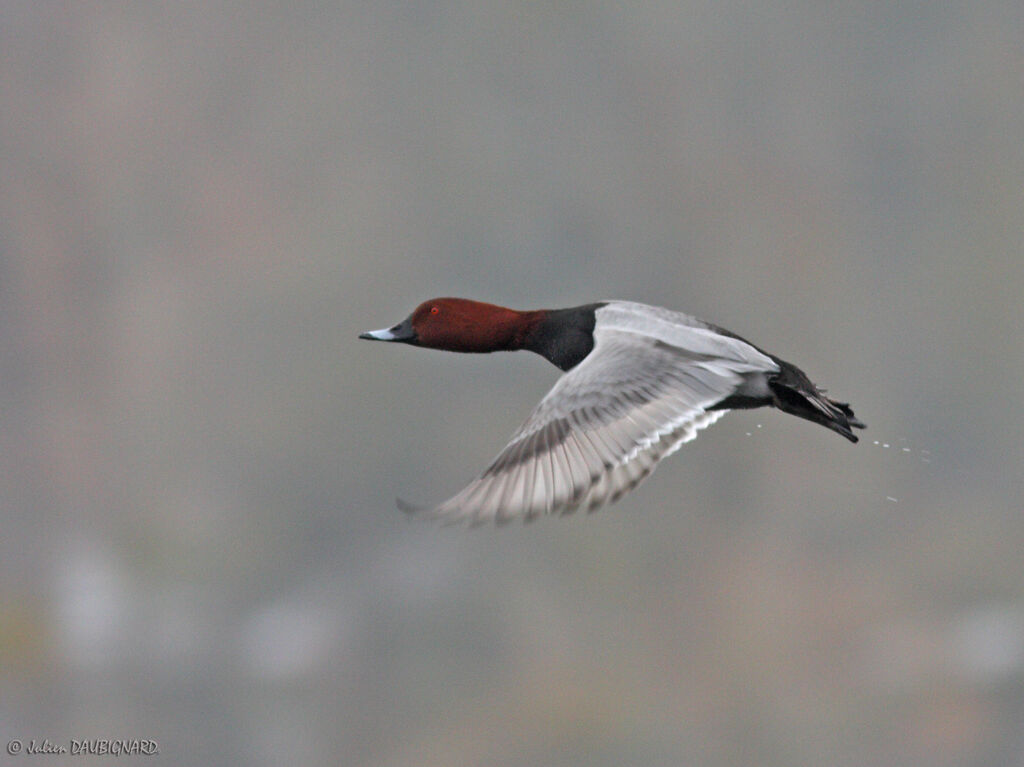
[(434, 310)]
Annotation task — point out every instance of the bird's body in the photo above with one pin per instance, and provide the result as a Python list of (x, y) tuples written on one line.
[(640, 381)]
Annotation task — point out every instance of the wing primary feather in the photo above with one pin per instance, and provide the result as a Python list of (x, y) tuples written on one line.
[(546, 472), (534, 484), (516, 500), (570, 448), (562, 476), (604, 426), (605, 459)]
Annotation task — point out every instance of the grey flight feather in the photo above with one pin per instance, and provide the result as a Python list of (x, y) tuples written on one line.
[(641, 393)]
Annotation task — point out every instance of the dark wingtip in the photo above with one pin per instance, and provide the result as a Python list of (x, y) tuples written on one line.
[(424, 512), (434, 514), (407, 507)]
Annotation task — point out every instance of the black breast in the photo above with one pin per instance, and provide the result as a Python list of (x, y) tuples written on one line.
[(564, 336)]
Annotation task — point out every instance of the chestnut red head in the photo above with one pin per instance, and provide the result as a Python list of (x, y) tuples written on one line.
[(459, 325)]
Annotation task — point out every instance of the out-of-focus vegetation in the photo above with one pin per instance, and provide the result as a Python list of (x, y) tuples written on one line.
[(201, 206)]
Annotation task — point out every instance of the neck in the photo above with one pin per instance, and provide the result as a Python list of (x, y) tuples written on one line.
[(523, 328), (564, 337), (508, 330), (474, 326)]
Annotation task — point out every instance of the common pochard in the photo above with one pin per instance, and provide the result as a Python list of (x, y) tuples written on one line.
[(639, 382)]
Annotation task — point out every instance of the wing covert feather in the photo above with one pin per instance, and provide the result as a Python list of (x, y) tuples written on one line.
[(602, 428)]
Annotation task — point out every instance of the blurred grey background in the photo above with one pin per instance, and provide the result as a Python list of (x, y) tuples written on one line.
[(203, 203)]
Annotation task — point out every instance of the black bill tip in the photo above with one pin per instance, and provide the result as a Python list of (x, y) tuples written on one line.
[(402, 332)]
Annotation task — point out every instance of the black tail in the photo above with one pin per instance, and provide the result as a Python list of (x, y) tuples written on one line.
[(794, 393)]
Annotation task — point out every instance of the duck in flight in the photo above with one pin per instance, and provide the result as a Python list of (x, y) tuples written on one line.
[(638, 382)]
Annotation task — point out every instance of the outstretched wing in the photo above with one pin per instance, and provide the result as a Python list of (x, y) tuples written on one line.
[(605, 425)]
